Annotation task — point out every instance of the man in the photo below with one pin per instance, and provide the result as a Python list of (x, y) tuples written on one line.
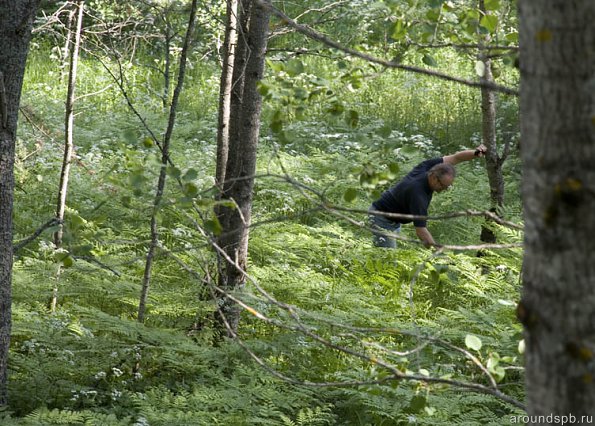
[(412, 196)]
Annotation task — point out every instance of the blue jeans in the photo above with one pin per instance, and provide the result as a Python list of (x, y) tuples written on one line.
[(380, 226)]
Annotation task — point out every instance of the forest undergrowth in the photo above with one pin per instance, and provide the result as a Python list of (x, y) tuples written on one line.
[(354, 308)]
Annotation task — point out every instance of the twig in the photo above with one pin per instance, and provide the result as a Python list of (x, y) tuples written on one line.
[(18, 246)]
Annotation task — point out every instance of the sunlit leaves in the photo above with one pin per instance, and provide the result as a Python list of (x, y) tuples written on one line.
[(399, 31), (489, 22), (473, 342), (370, 177), (492, 4), (480, 68)]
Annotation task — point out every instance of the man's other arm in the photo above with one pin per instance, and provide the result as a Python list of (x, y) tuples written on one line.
[(424, 235)]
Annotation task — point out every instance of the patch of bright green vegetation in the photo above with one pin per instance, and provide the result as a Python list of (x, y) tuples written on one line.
[(92, 363)]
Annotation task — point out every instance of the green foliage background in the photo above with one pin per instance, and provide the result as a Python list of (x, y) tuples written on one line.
[(334, 128)]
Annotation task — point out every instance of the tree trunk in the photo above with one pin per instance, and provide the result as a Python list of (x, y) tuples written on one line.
[(488, 115), (142, 306), (557, 308), (16, 19), (68, 140), (229, 48), (241, 164), (65, 58), (169, 35)]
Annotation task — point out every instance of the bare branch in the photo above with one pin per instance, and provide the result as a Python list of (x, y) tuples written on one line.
[(52, 222)]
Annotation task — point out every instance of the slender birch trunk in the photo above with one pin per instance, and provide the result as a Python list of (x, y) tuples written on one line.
[(68, 141), (229, 48), (165, 147)]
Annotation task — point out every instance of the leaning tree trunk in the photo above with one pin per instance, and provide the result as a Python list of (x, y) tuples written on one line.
[(16, 19), (165, 146), (557, 308), (229, 47), (68, 140), (241, 164)]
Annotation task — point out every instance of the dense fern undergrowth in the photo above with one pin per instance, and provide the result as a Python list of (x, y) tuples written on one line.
[(92, 363)]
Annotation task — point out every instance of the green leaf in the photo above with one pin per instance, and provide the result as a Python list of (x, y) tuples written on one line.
[(417, 404), (190, 174), (384, 131), (492, 4), (276, 126), (136, 179), (521, 347), (213, 226), (76, 222), (433, 15), (68, 261), (190, 189), (275, 65), (393, 168), (336, 108), (473, 342), (489, 22), (263, 88), (480, 68), (294, 67), (350, 195), (352, 118), (342, 65), (174, 172), (399, 31), (429, 60), (130, 136), (512, 37), (126, 200), (300, 93), (492, 363)]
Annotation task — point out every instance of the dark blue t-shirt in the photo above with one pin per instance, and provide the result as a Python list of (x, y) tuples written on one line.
[(411, 195)]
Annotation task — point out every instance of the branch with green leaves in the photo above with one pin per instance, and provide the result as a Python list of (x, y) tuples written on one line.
[(315, 35)]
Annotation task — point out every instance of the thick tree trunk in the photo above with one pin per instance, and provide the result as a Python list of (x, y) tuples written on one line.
[(557, 308), (153, 245), (16, 18), (241, 164), (229, 48), (68, 139)]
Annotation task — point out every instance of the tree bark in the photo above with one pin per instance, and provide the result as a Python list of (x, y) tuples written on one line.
[(229, 47), (142, 306), (488, 114), (557, 308), (68, 139), (16, 19), (241, 164)]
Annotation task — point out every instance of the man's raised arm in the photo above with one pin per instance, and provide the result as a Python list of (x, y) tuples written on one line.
[(466, 155)]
